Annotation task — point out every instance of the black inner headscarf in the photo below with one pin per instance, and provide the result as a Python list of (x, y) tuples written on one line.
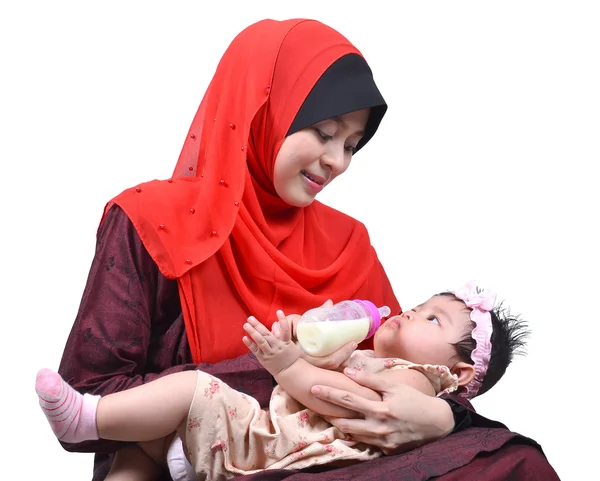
[(346, 86)]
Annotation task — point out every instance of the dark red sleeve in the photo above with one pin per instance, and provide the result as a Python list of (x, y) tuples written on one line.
[(482, 454), (517, 462), (465, 415), (129, 329)]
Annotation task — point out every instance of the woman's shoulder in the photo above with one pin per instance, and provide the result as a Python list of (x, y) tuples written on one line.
[(117, 235), (163, 191), (114, 222)]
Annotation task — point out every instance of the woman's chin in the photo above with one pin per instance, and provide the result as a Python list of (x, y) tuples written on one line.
[(298, 199)]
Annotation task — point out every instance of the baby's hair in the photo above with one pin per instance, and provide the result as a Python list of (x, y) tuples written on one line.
[(509, 336)]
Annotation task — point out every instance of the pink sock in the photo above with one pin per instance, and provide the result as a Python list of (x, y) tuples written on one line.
[(72, 416)]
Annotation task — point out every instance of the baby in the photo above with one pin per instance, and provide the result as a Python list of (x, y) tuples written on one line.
[(456, 341)]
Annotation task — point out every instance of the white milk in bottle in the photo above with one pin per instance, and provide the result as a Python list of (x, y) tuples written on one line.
[(324, 330)]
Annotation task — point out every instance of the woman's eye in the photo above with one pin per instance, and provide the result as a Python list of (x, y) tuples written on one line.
[(324, 136), (434, 319)]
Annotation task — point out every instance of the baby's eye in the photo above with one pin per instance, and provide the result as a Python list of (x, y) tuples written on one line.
[(434, 319), (350, 148)]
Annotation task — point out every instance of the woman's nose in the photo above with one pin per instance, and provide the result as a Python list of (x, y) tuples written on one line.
[(335, 160)]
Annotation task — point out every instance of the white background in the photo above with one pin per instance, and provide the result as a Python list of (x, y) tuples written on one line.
[(485, 168)]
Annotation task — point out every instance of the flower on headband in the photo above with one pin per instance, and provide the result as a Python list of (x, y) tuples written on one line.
[(483, 301)]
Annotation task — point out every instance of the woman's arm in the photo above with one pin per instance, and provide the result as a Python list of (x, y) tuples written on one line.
[(403, 419), (125, 333), (129, 329), (124, 319)]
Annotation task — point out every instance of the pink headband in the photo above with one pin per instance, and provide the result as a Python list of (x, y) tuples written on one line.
[(481, 304)]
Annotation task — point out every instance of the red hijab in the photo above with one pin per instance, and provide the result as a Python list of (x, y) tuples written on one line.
[(218, 226)]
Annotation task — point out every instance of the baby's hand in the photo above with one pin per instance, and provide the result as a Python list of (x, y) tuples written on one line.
[(276, 352)]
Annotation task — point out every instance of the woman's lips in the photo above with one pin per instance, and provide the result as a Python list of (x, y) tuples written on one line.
[(315, 182), (315, 178)]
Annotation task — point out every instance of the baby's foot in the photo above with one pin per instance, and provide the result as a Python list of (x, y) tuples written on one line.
[(72, 416)]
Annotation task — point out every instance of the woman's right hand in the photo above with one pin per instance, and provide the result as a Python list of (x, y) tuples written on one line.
[(404, 419), (334, 361)]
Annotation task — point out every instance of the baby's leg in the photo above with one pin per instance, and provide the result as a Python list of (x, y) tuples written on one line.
[(169, 452), (157, 449), (133, 464), (147, 412)]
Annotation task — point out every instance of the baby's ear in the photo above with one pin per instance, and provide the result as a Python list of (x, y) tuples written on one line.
[(464, 371)]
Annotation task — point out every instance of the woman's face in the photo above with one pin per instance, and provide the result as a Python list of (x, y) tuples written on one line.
[(311, 158)]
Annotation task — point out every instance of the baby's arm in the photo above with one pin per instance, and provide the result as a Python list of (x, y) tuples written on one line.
[(410, 377), (413, 378), (282, 358), (277, 352), (299, 378)]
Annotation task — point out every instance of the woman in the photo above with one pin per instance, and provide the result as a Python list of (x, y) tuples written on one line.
[(180, 264)]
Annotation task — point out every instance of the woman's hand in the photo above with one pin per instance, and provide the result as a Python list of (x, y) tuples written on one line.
[(295, 318), (404, 419), (333, 361)]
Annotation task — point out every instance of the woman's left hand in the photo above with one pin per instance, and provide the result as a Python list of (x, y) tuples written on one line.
[(404, 419), (333, 361)]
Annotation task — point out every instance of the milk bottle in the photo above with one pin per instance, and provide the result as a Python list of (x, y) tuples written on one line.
[(323, 330)]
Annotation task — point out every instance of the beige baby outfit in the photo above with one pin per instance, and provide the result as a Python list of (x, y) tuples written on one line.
[(228, 434)]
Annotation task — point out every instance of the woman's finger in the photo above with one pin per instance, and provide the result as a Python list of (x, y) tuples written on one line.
[(376, 383), (343, 353), (285, 329), (335, 359), (276, 329), (345, 399), (376, 434), (360, 429)]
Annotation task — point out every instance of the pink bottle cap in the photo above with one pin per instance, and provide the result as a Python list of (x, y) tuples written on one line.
[(374, 313)]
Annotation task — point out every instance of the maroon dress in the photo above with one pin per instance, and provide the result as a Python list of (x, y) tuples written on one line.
[(129, 330)]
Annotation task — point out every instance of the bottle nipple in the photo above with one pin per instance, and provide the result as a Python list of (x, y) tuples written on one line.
[(384, 311)]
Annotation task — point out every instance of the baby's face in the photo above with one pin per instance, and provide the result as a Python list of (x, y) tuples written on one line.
[(425, 334)]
